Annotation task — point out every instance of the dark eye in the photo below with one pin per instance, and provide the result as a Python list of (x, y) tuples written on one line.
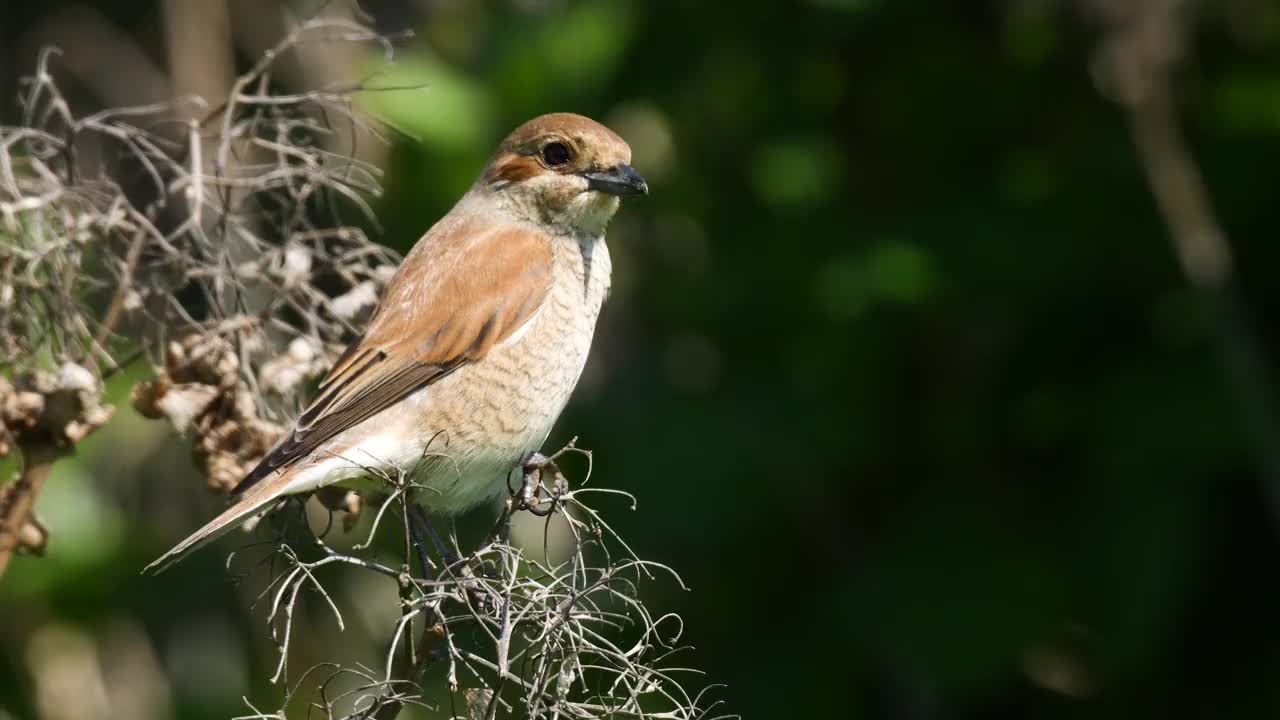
[(555, 154)]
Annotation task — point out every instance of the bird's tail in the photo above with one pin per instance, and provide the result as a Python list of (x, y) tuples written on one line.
[(245, 507)]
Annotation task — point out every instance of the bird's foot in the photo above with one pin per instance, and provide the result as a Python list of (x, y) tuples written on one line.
[(542, 484), (542, 488)]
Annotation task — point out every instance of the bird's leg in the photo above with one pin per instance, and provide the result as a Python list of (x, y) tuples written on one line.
[(531, 485), (420, 522), (416, 525), (502, 531), (530, 495)]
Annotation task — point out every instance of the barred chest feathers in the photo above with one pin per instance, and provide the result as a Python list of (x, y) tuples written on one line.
[(512, 401)]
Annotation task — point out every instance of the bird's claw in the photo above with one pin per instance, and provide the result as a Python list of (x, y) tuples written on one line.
[(530, 495)]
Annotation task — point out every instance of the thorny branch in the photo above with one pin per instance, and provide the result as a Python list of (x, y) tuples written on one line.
[(505, 633)]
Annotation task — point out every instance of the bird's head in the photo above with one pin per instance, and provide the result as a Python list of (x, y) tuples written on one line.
[(563, 170)]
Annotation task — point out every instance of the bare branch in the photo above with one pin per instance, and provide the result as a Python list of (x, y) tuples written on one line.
[(1144, 44)]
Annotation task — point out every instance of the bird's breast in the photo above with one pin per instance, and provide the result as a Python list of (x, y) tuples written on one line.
[(523, 384), (491, 412)]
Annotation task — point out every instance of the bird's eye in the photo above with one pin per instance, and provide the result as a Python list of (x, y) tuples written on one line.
[(555, 154)]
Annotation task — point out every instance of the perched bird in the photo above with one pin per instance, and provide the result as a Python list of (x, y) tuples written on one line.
[(478, 340)]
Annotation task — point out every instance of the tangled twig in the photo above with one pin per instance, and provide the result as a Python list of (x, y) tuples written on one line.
[(507, 633), (241, 235)]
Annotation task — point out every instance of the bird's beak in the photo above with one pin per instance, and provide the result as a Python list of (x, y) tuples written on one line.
[(618, 180)]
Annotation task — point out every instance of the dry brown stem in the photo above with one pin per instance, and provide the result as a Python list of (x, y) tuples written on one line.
[(1144, 45), (241, 235), (43, 415), (201, 392)]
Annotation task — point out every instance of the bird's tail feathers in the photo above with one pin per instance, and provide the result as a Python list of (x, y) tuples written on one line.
[(245, 507)]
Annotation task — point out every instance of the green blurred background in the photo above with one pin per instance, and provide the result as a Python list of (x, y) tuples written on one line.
[(900, 361)]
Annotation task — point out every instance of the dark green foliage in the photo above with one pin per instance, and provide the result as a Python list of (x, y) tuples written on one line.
[(900, 363)]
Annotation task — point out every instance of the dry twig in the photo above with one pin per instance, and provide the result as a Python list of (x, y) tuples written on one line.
[(254, 257), (1144, 44), (507, 634)]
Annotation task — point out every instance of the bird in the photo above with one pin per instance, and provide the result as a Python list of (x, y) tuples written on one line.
[(477, 342)]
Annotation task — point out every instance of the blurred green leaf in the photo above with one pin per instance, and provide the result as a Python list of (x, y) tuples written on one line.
[(901, 272), (795, 173), (440, 106)]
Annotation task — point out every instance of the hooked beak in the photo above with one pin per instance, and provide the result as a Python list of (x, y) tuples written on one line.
[(619, 180)]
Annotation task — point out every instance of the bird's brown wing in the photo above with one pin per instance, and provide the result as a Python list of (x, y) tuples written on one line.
[(464, 288)]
